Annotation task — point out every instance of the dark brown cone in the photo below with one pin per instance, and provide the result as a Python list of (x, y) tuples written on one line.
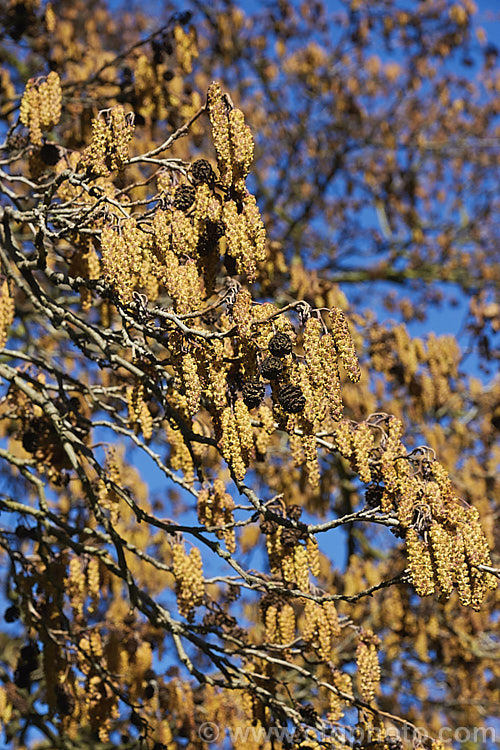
[(291, 399), (184, 197), (280, 345)]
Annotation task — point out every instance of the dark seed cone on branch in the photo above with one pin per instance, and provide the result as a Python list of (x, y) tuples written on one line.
[(271, 368), (184, 197), (253, 393), (291, 399), (280, 345), (202, 172)]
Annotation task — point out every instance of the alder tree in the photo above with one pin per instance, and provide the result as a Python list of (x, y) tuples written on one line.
[(248, 497)]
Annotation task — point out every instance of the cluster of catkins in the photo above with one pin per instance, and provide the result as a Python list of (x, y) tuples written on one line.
[(179, 249), (41, 106), (444, 539)]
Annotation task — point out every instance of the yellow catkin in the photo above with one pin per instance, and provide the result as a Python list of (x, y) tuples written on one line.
[(244, 427), (324, 634), (184, 234), (219, 119), (242, 146), (343, 687), (75, 585), (162, 230), (344, 344), (41, 105), (255, 229), (7, 310), (108, 150), (54, 96), (263, 437), (392, 449), (188, 573), (312, 339), (93, 580), (180, 457), (309, 620), (420, 564), (191, 381), (408, 490), (311, 460), (50, 18), (286, 622), (274, 551), (242, 313), (332, 617), (441, 544), (186, 48), (343, 438), (301, 569), (271, 623), (118, 262), (368, 672), (230, 443), (287, 565), (313, 559), (362, 444), (146, 421), (5, 708), (330, 376), (219, 512)]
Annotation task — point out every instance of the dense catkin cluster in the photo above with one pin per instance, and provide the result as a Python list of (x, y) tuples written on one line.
[(278, 616), (368, 668), (112, 131), (245, 235), (215, 508), (7, 311), (189, 583), (127, 260), (320, 626), (427, 368), (41, 106), (444, 539), (186, 48), (233, 142)]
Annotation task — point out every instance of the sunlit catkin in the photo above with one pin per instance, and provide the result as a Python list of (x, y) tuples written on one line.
[(362, 444), (7, 311), (41, 105), (313, 559), (191, 382), (300, 565), (189, 584), (230, 443), (311, 343), (441, 544), (344, 344), (219, 119), (368, 674), (330, 376), (286, 623), (242, 145), (420, 564)]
